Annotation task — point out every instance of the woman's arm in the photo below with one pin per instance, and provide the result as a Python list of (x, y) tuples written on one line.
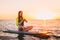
[(25, 20)]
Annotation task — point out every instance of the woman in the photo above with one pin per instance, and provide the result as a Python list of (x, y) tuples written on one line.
[(20, 24)]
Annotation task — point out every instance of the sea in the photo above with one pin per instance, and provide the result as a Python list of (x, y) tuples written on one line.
[(51, 25)]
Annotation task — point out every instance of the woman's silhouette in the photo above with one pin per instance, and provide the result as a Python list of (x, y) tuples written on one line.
[(20, 23)]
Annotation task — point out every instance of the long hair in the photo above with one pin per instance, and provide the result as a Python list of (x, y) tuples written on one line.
[(19, 15)]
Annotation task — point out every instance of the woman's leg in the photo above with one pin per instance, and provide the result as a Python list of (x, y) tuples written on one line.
[(28, 28)]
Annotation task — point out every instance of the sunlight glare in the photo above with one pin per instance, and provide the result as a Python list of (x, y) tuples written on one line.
[(44, 15)]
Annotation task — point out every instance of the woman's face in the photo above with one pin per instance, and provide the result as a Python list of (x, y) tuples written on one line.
[(21, 13)]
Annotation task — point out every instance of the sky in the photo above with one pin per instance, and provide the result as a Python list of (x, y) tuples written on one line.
[(32, 9)]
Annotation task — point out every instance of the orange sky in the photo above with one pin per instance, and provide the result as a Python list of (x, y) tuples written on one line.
[(39, 9)]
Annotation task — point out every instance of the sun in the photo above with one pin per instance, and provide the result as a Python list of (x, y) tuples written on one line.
[(44, 15)]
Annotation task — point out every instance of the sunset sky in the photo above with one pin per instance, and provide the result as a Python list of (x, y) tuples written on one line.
[(32, 9)]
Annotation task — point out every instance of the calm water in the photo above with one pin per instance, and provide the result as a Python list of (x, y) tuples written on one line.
[(38, 25)]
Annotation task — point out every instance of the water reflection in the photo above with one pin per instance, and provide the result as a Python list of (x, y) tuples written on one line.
[(52, 38)]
